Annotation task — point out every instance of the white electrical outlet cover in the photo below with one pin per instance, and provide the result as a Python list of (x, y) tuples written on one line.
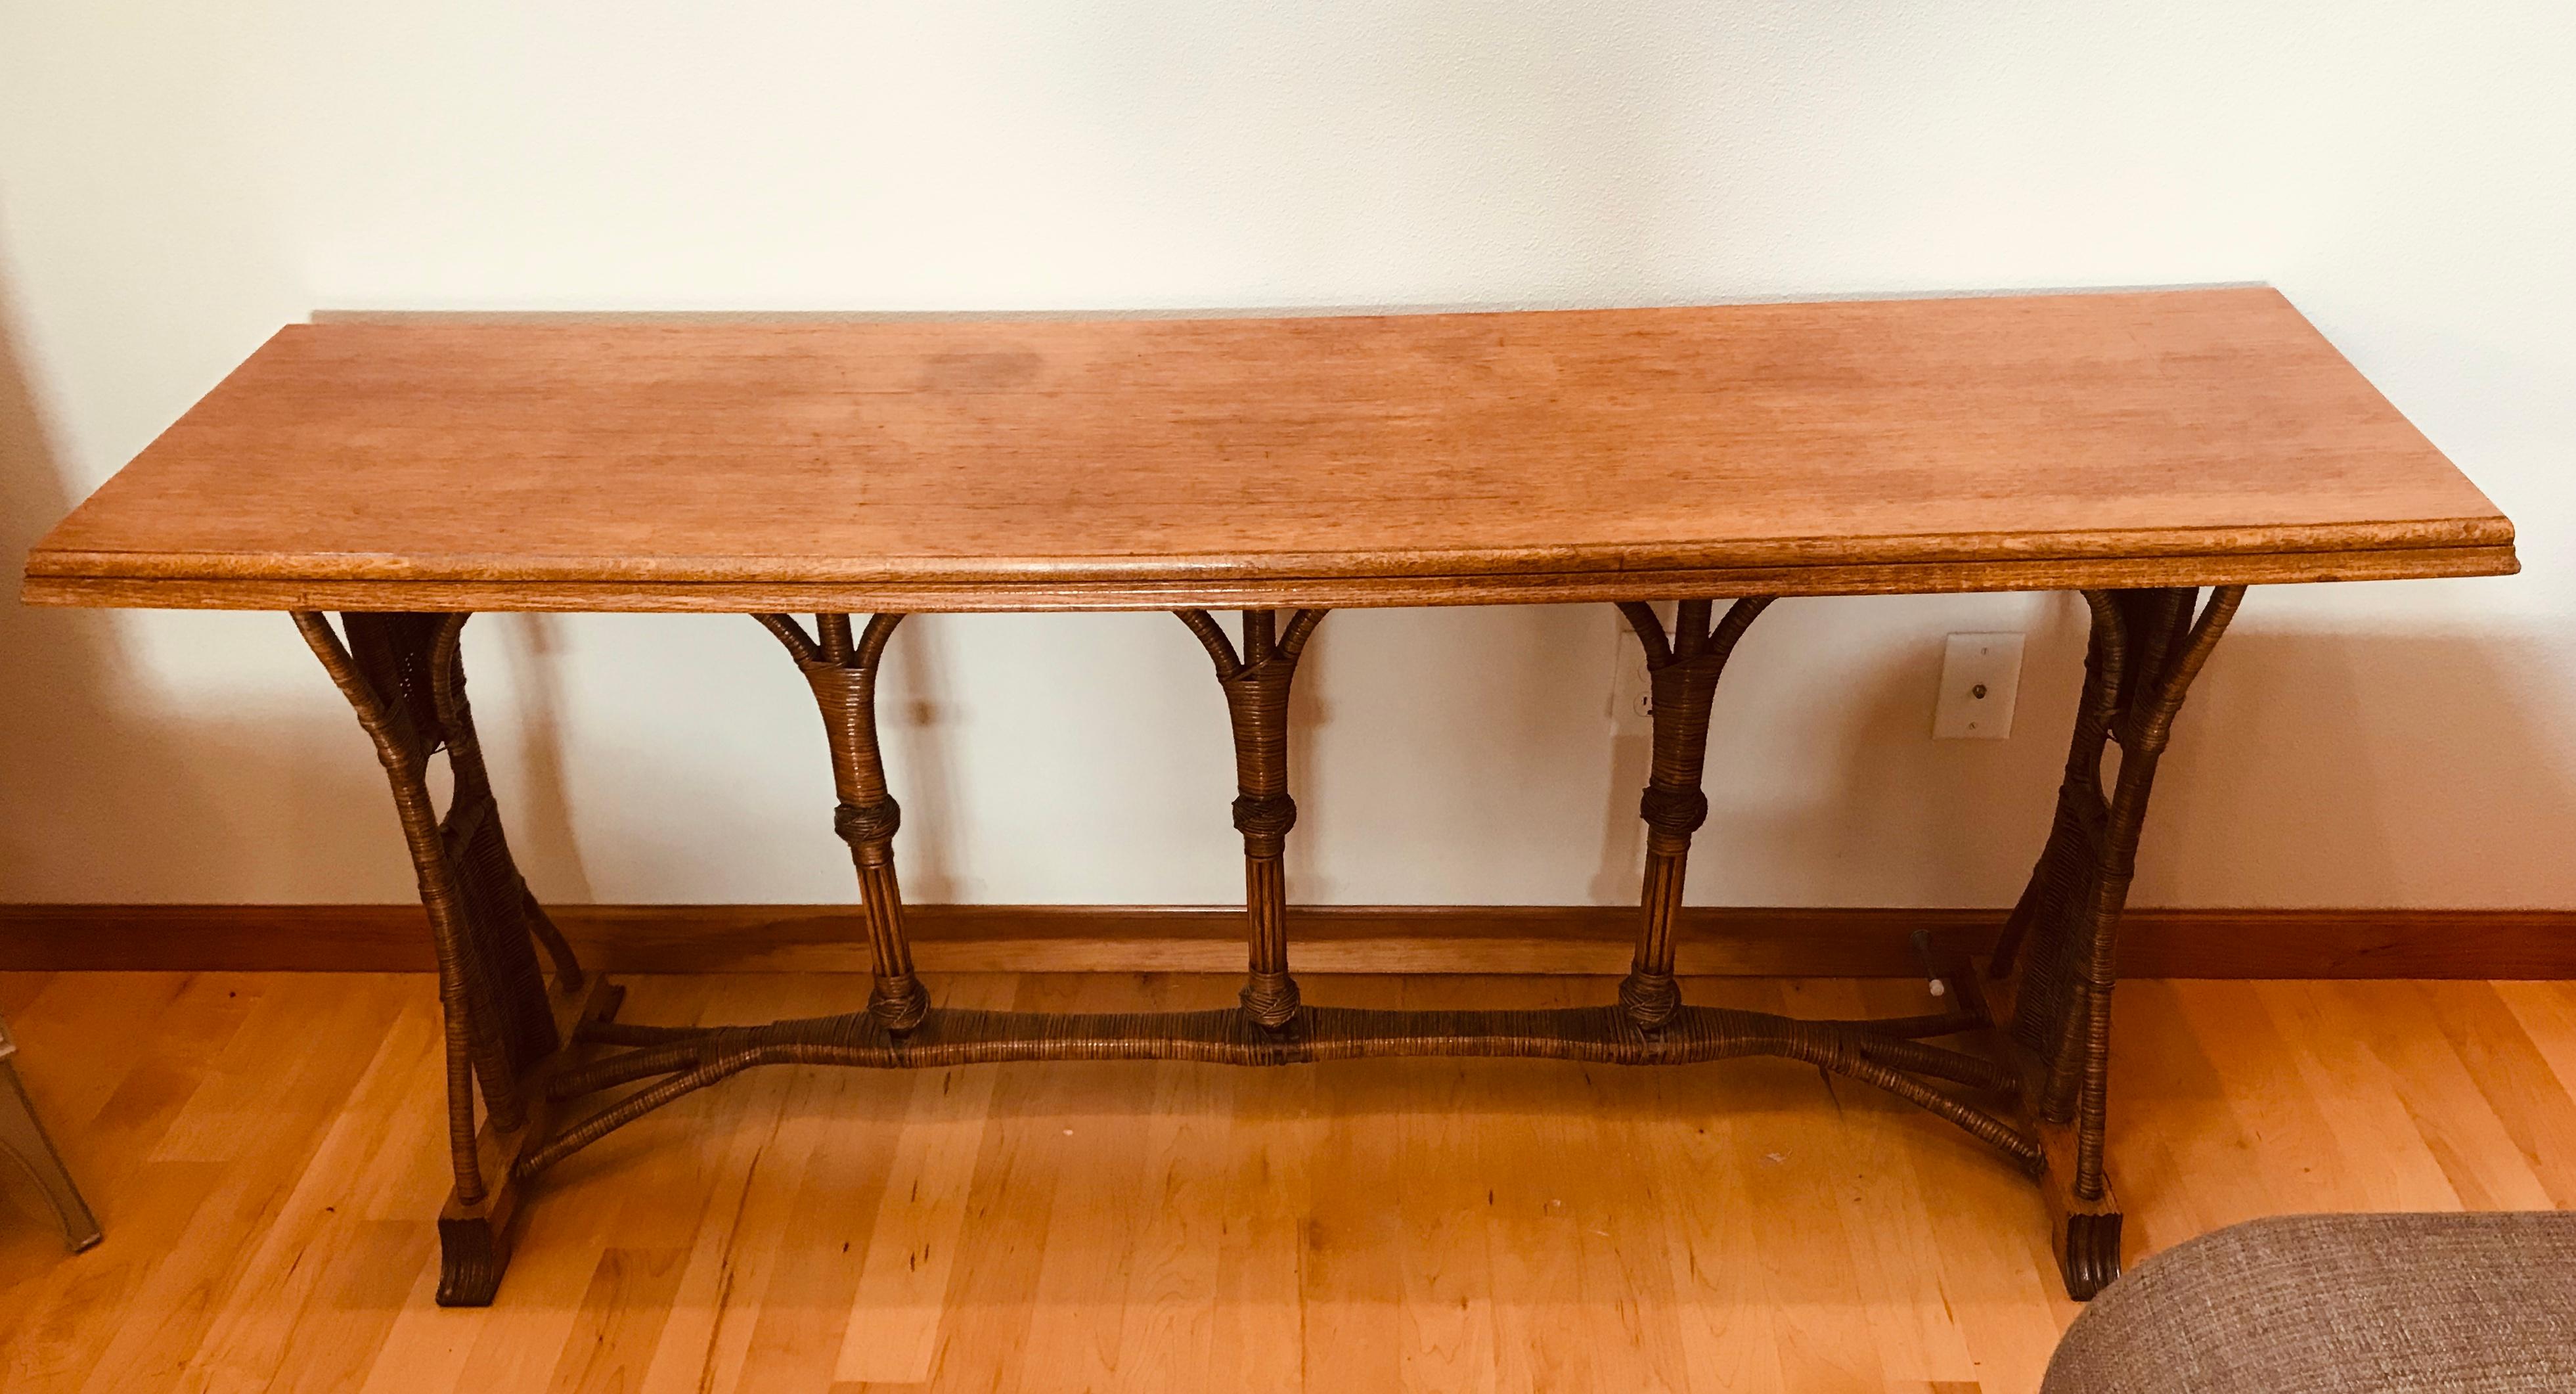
[(1980, 676)]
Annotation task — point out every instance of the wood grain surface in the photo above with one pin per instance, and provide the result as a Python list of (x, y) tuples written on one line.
[(261, 1149), (2132, 438)]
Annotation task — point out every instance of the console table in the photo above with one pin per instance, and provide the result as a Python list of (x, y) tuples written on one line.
[(2157, 451)]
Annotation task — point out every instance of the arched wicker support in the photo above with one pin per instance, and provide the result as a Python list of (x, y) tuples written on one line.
[(1683, 670), (1256, 684), (405, 678), (843, 674), (2059, 955), (2038, 1097)]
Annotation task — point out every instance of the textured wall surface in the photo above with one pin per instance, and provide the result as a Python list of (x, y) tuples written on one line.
[(178, 180)]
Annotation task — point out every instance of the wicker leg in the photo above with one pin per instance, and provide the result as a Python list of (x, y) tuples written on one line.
[(2060, 886), (2060, 954), (843, 673), (1256, 686), (1684, 669), (405, 678)]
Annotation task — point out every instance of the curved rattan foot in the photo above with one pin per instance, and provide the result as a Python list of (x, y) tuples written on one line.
[(2089, 1253), (470, 1260), (475, 1231)]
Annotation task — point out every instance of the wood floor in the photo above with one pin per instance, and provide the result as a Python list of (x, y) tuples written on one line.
[(264, 1152)]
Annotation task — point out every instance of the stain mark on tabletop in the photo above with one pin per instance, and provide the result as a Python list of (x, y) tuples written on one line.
[(1003, 371)]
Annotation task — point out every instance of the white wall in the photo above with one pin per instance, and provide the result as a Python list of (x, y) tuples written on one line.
[(177, 180)]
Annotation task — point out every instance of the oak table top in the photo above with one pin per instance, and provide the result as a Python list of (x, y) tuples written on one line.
[(2154, 438)]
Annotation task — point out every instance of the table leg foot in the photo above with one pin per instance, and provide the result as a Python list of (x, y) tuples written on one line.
[(2088, 1252), (2083, 1230), (472, 1251), (475, 1235)]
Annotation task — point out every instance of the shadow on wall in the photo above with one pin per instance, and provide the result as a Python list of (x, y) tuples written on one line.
[(103, 796), (913, 707), (2366, 770), (64, 750), (1825, 786), (540, 825), (2307, 769), (94, 790)]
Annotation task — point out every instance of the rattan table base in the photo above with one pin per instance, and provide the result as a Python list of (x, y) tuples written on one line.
[(555, 1071)]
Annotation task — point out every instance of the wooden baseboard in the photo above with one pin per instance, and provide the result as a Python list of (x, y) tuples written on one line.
[(1873, 942)]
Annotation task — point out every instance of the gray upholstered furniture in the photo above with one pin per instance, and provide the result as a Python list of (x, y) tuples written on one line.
[(2336, 1304), (23, 1138)]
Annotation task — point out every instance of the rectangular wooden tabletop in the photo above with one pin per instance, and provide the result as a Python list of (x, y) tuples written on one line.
[(2186, 437)]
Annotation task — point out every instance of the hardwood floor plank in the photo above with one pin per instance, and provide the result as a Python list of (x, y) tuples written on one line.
[(1257, 1344), (2183, 1160), (18, 988), (1896, 1259), (76, 1043), (2259, 1065), (746, 1221), (1352, 1238), (2514, 1076), (1010, 1209), (749, 1153), (1628, 1284), (60, 1320), (291, 1270), (2455, 1119), (620, 1323), (103, 1155), (1168, 1326), (2379, 1157), (1787, 1167), (264, 1151), (263, 1112), (2547, 1014), (1721, 1288), (183, 1042), (1541, 1340), (1618, 1332), (1446, 1310), (892, 1333), (1094, 1146)]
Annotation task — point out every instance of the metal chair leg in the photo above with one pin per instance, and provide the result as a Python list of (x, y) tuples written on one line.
[(22, 1137)]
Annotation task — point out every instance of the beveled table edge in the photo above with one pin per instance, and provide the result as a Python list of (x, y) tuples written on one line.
[(1054, 593)]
